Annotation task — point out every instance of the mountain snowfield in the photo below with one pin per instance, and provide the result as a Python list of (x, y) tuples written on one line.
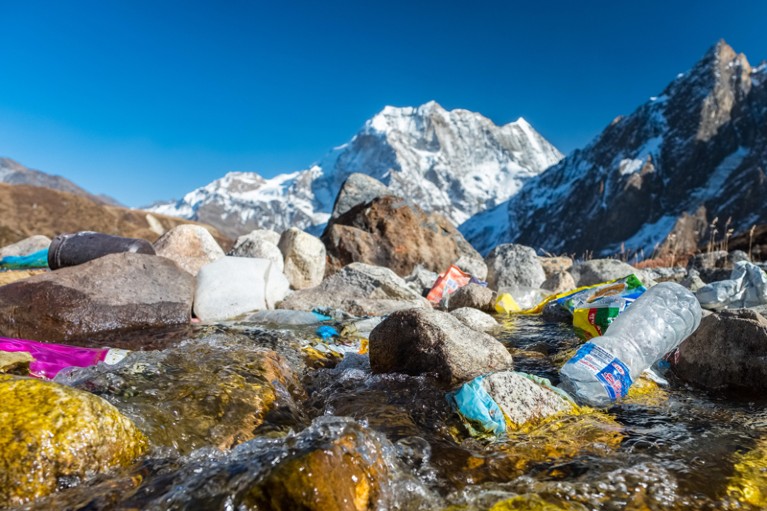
[(456, 162), (694, 153)]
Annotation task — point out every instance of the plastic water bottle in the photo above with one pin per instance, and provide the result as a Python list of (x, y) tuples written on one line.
[(604, 368), (51, 358)]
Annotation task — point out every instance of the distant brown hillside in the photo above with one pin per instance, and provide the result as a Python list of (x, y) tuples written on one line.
[(26, 210)]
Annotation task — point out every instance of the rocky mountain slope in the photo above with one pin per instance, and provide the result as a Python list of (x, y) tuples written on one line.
[(28, 210), (457, 163), (14, 173), (694, 154)]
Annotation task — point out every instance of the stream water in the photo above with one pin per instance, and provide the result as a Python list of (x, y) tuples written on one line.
[(669, 449)]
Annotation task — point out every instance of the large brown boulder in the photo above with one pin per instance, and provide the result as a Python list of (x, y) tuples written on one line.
[(49, 432), (118, 291), (727, 352), (388, 231), (420, 341)]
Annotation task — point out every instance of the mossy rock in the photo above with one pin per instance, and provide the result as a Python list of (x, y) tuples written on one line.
[(748, 484), (16, 362), (49, 431)]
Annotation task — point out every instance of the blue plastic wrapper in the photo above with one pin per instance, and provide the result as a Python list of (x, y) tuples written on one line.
[(326, 332), (475, 405), (37, 259)]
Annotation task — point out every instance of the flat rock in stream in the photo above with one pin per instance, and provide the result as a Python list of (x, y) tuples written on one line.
[(359, 289), (419, 341), (727, 352), (117, 291), (49, 432)]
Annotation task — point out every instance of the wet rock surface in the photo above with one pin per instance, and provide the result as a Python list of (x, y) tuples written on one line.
[(143, 291)]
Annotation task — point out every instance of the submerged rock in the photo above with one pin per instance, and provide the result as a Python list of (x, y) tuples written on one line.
[(190, 246), (16, 362), (418, 341), (727, 352), (358, 289), (304, 258), (117, 291), (49, 432), (511, 265)]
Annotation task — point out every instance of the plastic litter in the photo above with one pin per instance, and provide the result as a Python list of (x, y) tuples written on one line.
[(287, 317), (746, 287), (604, 368), (37, 259), (506, 304), (81, 247), (526, 297), (326, 332), (447, 283), (51, 358), (481, 413)]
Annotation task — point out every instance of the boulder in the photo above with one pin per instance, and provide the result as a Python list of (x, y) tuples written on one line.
[(26, 246), (419, 341), (474, 296), (554, 265), (510, 266), (190, 246), (304, 256), (522, 400), (358, 289), (269, 235), (216, 391), (473, 265), (559, 282), (727, 352), (390, 232), (117, 291), (357, 189), (231, 286), (421, 280), (259, 248), (475, 319), (596, 271), (49, 432)]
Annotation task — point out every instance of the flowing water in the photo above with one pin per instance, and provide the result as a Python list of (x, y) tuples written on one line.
[(223, 432)]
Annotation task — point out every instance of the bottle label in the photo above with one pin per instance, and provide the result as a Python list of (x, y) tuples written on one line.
[(608, 369)]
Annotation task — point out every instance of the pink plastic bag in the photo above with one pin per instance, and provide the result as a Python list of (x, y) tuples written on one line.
[(51, 358)]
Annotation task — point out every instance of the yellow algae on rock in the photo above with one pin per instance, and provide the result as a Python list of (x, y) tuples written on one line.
[(49, 431), (748, 484), (645, 392), (535, 503)]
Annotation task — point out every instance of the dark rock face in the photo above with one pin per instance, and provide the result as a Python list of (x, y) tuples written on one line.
[(418, 341), (727, 352), (702, 143), (117, 291), (390, 232), (358, 189)]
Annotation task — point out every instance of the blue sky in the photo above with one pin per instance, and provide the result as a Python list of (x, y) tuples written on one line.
[(146, 100)]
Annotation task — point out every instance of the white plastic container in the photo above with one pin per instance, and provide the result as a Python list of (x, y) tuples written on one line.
[(604, 368)]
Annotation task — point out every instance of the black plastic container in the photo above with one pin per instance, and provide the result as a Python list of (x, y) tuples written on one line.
[(81, 247)]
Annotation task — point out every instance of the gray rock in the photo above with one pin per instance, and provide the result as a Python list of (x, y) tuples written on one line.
[(693, 281), (474, 265), (359, 289), (419, 341), (523, 400), (559, 282), (304, 256), (475, 319), (231, 286), (727, 352), (190, 246), (268, 235), (511, 265), (258, 247), (595, 271), (357, 189), (26, 246), (117, 291), (421, 280), (474, 296)]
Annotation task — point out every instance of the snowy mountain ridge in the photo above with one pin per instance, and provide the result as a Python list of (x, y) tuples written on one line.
[(457, 162)]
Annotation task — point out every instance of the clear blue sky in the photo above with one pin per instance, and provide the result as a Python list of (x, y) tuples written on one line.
[(147, 100)]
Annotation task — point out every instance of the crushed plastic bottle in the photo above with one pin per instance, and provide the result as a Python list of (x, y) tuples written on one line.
[(604, 368), (51, 358)]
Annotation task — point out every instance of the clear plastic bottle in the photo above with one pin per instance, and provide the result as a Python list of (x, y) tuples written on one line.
[(51, 358), (604, 368)]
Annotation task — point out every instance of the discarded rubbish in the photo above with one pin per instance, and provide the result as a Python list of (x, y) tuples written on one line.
[(604, 368), (746, 287), (482, 414), (506, 304), (81, 247), (629, 287), (361, 328), (37, 259), (51, 358), (287, 317), (448, 283), (326, 332)]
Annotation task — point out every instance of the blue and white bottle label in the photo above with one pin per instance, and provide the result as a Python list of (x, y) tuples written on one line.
[(608, 369)]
